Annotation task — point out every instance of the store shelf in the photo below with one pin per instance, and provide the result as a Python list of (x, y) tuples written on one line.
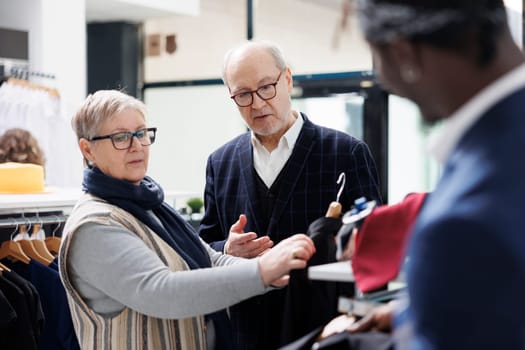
[(338, 272), (55, 199)]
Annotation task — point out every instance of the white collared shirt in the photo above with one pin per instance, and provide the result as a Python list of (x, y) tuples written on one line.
[(444, 140), (269, 165)]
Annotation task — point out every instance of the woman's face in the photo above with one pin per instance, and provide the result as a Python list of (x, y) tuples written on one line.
[(129, 164)]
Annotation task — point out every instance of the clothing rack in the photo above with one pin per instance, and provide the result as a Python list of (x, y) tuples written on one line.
[(24, 73), (33, 220), (18, 73), (10, 66), (27, 84)]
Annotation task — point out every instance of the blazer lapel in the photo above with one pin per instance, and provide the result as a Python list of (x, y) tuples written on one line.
[(293, 170)]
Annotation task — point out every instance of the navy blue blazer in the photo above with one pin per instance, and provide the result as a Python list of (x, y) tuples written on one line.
[(308, 183), (466, 273), (308, 186)]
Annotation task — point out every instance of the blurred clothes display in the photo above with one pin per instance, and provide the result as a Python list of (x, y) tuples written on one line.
[(39, 110), (22, 318), (40, 317), (381, 240)]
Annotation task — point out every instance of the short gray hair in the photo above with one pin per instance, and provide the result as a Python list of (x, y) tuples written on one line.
[(100, 107), (272, 48)]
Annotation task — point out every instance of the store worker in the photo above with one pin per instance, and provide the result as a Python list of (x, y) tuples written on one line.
[(466, 272), (278, 177), (136, 274)]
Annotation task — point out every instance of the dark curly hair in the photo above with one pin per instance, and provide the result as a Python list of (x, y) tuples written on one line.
[(19, 145), (477, 33)]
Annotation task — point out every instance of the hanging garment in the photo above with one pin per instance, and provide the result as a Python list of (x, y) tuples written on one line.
[(58, 332), (310, 304), (32, 298), (7, 320), (21, 334)]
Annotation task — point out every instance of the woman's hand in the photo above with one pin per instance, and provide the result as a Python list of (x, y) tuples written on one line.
[(290, 254)]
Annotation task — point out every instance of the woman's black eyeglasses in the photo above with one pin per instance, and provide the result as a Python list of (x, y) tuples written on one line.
[(124, 140)]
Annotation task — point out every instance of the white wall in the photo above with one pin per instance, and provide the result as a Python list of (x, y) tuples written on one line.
[(201, 41), (24, 15), (305, 32), (192, 122), (410, 168), (308, 34)]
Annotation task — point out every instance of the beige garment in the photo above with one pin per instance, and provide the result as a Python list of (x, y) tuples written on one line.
[(129, 330)]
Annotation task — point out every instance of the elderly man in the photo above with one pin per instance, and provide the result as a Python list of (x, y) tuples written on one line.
[(275, 179)]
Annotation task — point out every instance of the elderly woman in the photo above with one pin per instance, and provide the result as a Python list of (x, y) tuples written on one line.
[(136, 274)]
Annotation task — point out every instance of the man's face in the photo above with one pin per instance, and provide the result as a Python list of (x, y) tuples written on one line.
[(251, 69), (387, 67)]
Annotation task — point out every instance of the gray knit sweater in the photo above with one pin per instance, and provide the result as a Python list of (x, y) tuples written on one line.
[(111, 267)]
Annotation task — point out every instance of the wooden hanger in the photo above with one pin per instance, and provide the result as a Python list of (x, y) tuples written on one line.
[(4, 268), (12, 249), (40, 245), (25, 83), (29, 248), (335, 208), (53, 242)]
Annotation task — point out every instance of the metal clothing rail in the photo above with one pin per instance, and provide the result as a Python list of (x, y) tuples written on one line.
[(25, 73), (33, 220)]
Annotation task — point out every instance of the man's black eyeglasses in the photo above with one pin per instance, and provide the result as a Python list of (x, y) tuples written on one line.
[(124, 140), (265, 92)]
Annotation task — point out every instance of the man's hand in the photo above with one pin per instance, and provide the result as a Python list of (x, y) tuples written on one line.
[(348, 253), (338, 325), (379, 319), (245, 244)]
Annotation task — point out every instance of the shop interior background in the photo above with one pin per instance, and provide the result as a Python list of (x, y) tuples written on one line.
[(170, 53)]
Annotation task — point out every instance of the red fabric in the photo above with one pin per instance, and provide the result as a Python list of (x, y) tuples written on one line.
[(380, 242)]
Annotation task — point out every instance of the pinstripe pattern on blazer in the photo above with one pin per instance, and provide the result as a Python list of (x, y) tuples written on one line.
[(308, 186)]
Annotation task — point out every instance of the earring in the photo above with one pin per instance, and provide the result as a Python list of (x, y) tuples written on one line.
[(409, 74)]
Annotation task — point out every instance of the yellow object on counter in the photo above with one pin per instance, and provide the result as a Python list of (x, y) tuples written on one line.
[(21, 178)]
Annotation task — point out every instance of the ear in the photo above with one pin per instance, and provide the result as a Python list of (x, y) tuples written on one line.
[(407, 56), (86, 148), (289, 79)]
